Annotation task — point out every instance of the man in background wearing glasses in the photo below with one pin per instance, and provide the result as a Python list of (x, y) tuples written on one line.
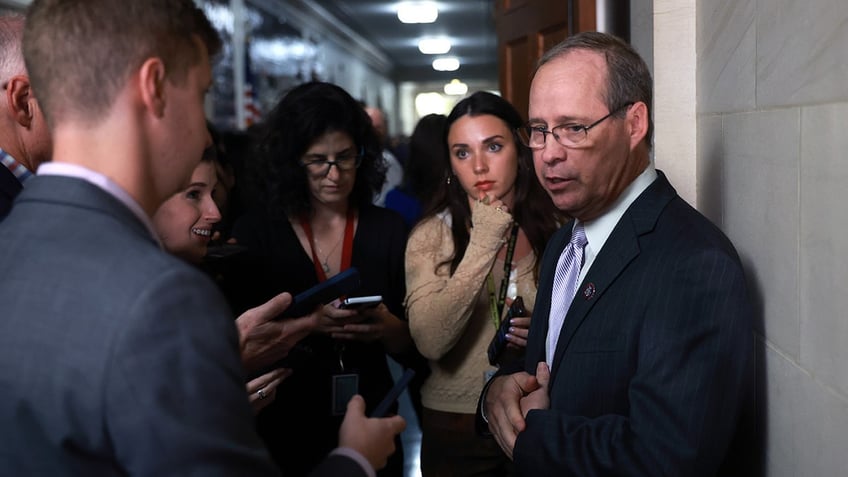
[(640, 349)]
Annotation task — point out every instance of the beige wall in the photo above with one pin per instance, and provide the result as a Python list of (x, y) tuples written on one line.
[(766, 160)]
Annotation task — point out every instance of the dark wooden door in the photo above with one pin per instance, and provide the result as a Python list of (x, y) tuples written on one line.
[(526, 29)]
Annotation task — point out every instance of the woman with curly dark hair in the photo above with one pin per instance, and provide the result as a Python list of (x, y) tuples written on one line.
[(319, 165), (475, 248)]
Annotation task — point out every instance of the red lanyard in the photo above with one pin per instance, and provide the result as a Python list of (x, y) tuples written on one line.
[(347, 245)]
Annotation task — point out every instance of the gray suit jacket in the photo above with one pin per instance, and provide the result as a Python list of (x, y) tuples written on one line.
[(652, 371), (115, 357)]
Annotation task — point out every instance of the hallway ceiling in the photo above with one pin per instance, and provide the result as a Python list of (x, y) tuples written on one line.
[(468, 23)]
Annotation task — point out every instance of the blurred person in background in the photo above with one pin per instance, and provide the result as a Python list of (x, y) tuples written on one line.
[(421, 172), (394, 169)]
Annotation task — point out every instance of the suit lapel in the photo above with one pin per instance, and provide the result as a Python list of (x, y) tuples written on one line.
[(620, 249)]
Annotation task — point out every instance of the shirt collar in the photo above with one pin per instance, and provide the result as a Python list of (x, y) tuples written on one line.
[(598, 230), (17, 169), (104, 183)]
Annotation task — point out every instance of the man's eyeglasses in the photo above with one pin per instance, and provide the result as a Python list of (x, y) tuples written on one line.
[(319, 164), (535, 136)]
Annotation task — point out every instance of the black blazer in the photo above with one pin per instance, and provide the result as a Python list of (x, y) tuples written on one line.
[(652, 374), (9, 189)]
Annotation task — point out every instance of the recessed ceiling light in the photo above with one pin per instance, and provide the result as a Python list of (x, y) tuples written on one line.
[(430, 103), (456, 88), (446, 64), (434, 46), (417, 12)]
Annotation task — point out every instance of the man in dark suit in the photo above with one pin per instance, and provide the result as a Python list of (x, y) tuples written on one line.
[(24, 139), (115, 357), (647, 370)]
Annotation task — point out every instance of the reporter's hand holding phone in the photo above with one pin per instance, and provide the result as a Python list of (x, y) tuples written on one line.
[(374, 438), (332, 319), (367, 325), (364, 324), (264, 339), (519, 329), (373, 324)]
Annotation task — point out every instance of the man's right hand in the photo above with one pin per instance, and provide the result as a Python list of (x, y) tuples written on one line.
[(373, 438), (264, 339), (503, 407)]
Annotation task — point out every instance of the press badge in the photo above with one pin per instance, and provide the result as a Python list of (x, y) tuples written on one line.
[(345, 386)]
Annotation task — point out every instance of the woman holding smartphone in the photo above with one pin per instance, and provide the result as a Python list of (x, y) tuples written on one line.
[(480, 238), (317, 167), (185, 224)]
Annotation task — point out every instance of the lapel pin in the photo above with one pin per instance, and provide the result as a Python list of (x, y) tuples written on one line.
[(589, 291)]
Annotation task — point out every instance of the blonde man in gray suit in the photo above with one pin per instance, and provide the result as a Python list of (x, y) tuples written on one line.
[(115, 357)]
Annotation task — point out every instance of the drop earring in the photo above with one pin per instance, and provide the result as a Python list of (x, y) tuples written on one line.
[(448, 181)]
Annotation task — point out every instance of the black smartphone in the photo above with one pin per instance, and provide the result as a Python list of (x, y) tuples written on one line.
[(323, 293), (499, 341), (361, 302), (393, 394)]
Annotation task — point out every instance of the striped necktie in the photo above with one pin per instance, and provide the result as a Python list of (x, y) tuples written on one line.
[(564, 288)]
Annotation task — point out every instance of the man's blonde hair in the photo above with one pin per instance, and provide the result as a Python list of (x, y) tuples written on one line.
[(80, 53)]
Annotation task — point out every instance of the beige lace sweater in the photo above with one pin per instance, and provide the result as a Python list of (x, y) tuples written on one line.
[(449, 316)]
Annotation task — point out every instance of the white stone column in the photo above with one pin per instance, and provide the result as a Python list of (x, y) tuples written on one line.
[(675, 94)]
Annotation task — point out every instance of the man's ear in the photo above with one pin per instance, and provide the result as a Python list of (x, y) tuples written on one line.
[(637, 118), (151, 80), (20, 99)]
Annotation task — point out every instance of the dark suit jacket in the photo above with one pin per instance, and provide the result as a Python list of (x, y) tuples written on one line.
[(9, 188), (115, 357), (652, 372)]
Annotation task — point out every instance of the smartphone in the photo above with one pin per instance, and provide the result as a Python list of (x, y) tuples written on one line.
[(361, 302), (499, 342), (323, 293), (393, 394)]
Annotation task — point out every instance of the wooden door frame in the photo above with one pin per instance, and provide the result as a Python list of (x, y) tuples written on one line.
[(525, 29)]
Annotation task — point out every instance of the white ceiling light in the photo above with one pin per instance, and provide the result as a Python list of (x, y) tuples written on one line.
[(446, 64), (434, 46), (430, 103), (418, 12), (456, 88)]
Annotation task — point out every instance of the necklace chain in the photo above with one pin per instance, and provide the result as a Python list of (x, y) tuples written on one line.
[(322, 267), (325, 263)]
